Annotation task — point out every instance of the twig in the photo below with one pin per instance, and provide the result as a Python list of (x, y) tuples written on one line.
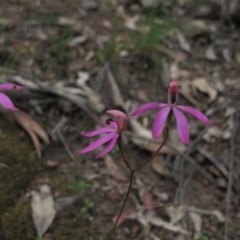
[(65, 145), (230, 175), (188, 158), (58, 132), (180, 191), (2, 236), (218, 165)]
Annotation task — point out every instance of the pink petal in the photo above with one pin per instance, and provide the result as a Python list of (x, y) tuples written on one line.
[(10, 86), (98, 131), (147, 107), (109, 147), (6, 102), (159, 121), (195, 113), (97, 143), (182, 125)]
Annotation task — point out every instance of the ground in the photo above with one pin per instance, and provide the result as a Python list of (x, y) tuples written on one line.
[(77, 59)]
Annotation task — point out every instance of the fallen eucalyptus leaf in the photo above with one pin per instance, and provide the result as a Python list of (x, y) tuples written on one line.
[(197, 221), (156, 221), (203, 86), (176, 213), (43, 209), (33, 129), (3, 165), (114, 169), (158, 166)]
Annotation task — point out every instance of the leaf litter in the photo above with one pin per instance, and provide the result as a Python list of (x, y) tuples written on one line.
[(197, 89)]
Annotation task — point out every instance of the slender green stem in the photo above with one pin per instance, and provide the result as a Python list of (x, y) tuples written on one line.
[(123, 204), (123, 155), (165, 133)]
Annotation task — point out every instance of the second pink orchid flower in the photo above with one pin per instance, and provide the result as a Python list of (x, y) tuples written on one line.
[(171, 108)]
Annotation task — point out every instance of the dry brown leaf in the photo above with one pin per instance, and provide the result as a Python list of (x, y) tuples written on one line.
[(184, 44), (176, 213), (124, 217), (197, 221), (152, 146), (114, 169), (130, 22), (186, 91), (220, 217), (143, 139), (147, 200), (177, 73), (212, 132), (43, 209), (210, 54), (156, 221), (178, 56), (158, 166), (33, 129), (202, 85)]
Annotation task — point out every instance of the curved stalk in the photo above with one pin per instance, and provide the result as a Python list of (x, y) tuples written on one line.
[(133, 170)]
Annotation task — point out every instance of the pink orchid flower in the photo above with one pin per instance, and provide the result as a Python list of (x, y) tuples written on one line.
[(5, 101), (171, 108), (112, 130)]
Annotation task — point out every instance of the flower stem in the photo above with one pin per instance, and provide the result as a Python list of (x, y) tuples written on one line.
[(133, 170), (123, 204), (123, 155), (153, 155)]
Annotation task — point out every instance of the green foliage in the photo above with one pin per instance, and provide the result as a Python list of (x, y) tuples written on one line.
[(88, 205), (152, 32), (155, 31), (78, 186), (108, 51), (102, 238), (200, 236)]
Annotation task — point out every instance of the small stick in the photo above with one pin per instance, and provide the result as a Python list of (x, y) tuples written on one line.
[(2, 236), (182, 159), (230, 175)]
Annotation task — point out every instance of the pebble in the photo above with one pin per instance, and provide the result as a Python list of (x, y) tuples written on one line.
[(51, 164), (89, 4)]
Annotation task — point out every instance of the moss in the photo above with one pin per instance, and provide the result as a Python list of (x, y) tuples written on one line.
[(19, 155), (17, 222), (71, 224), (23, 165)]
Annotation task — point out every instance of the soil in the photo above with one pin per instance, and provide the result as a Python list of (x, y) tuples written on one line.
[(36, 42)]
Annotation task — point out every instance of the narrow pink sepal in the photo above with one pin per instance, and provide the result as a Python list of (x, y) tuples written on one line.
[(6, 102), (182, 126), (98, 131), (109, 147), (97, 143), (147, 107), (10, 86), (195, 113), (159, 122)]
